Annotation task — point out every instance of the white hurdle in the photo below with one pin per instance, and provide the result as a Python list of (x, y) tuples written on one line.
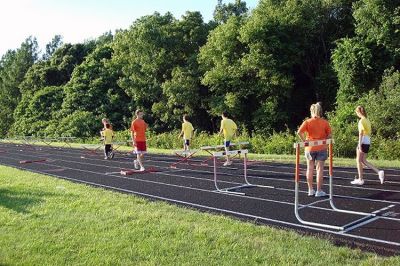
[(247, 184), (328, 142)]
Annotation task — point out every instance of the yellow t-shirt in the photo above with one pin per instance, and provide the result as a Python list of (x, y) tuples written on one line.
[(365, 125), (187, 129), (108, 135), (229, 128)]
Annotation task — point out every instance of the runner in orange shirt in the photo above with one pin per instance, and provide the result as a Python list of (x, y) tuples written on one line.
[(315, 128), (138, 134)]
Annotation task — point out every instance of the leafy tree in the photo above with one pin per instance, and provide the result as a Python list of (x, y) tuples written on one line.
[(184, 92), (146, 56), (157, 55), (13, 67), (52, 46), (275, 63), (378, 21), (81, 124), (223, 12), (35, 113), (360, 61), (55, 72), (93, 88), (382, 106), (231, 90)]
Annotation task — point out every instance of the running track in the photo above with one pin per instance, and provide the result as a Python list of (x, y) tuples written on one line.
[(193, 186)]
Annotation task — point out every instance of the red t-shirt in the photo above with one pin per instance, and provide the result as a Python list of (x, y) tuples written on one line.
[(317, 129), (139, 127)]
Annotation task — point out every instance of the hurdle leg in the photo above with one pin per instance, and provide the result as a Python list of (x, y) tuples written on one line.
[(184, 159), (245, 175), (216, 182)]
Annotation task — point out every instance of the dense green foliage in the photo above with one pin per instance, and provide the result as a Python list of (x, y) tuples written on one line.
[(264, 66)]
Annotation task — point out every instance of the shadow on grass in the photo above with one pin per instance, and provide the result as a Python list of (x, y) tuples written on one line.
[(21, 201)]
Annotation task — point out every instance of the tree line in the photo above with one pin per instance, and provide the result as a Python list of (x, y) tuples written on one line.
[(264, 66)]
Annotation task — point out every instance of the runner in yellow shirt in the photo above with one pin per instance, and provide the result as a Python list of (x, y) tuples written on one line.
[(228, 129), (364, 142), (187, 132), (107, 135)]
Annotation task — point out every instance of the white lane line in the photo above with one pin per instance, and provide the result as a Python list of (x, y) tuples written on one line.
[(261, 178), (254, 217)]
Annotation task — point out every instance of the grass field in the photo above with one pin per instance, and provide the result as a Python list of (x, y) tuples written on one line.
[(48, 221)]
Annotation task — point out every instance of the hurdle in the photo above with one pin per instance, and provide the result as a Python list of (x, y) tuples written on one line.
[(210, 149), (28, 142), (184, 155), (33, 161), (247, 184), (126, 172), (66, 141), (48, 141), (328, 142), (91, 149)]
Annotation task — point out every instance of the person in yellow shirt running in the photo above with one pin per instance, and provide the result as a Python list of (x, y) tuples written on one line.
[(228, 129), (107, 135), (187, 132), (364, 142)]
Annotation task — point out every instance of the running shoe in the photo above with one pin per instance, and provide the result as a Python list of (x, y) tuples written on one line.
[(311, 192), (136, 164), (358, 182), (381, 175), (320, 193)]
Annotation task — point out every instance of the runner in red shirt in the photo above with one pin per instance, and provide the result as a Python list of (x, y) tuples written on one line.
[(138, 134)]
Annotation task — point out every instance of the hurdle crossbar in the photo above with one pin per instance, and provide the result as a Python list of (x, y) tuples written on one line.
[(205, 148), (328, 142), (209, 150)]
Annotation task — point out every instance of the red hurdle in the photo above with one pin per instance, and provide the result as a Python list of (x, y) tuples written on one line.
[(134, 171), (33, 161)]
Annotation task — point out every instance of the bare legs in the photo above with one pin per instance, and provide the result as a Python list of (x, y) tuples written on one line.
[(361, 161), (139, 161), (310, 174), (228, 161)]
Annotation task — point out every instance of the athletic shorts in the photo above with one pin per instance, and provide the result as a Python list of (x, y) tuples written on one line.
[(365, 148), (186, 142), (141, 146), (227, 143), (321, 155)]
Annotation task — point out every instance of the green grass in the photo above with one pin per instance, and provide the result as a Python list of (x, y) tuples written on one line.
[(48, 221)]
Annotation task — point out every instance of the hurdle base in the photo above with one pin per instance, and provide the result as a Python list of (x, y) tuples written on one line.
[(32, 161), (132, 171), (232, 189)]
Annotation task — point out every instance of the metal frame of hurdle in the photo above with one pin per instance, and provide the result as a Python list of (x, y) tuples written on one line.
[(209, 149), (91, 149), (185, 156), (328, 142), (247, 184)]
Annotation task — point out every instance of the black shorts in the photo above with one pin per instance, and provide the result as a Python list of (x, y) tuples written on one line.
[(365, 148), (107, 148)]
